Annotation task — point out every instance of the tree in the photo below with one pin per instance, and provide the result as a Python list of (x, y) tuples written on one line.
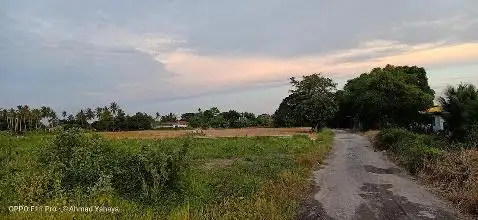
[(81, 119), (461, 106), (3, 119), (171, 117), (389, 96), (311, 102), (218, 121), (121, 120), (231, 117), (114, 108), (98, 112), (187, 116), (90, 114), (287, 114), (140, 121), (264, 120), (37, 115), (211, 113)]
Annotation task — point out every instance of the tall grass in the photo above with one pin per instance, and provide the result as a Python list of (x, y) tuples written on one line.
[(185, 178), (456, 175), (451, 168)]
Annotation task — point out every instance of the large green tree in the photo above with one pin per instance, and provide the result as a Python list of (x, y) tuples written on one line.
[(311, 102), (389, 96)]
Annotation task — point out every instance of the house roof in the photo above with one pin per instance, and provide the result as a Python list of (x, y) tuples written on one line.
[(435, 109), (174, 123)]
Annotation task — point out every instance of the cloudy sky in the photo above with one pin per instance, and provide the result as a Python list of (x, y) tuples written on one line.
[(179, 55)]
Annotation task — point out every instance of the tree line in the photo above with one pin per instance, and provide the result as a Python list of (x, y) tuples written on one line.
[(392, 96), (113, 118), (214, 118), (102, 118)]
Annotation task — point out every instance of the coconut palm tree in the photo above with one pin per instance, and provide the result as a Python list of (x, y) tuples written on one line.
[(98, 112), (49, 114), (457, 104), (114, 108), (37, 116), (26, 116), (64, 114), (81, 118), (90, 115), (12, 116), (18, 120)]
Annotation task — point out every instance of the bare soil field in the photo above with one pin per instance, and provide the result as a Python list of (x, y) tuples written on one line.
[(240, 132)]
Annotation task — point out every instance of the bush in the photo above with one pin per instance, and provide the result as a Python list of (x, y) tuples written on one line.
[(88, 164), (152, 173), (410, 149)]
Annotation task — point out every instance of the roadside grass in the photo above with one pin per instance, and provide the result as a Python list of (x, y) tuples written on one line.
[(455, 174), (224, 178), (453, 170), (371, 135)]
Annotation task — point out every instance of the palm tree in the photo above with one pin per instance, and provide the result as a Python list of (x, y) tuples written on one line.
[(456, 104), (36, 115), (26, 114), (114, 108), (12, 116), (3, 115), (98, 112), (49, 114), (18, 120), (90, 115), (81, 118), (53, 117)]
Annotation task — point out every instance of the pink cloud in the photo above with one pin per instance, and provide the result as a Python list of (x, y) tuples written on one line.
[(192, 69)]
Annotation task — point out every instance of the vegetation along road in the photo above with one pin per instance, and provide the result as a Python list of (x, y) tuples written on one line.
[(360, 183)]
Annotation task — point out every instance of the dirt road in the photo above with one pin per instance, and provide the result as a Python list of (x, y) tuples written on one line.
[(359, 183)]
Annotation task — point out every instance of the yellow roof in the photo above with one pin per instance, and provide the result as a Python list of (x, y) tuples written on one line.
[(436, 109)]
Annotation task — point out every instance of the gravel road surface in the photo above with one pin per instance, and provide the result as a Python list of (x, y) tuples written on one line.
[(359, 183)]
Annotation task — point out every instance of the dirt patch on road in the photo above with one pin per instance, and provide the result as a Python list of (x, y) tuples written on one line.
[(242, 132), (376, 170), (384, 204)]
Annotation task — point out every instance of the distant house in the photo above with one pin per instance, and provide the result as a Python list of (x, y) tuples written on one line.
[(438, 123), (176, 124)]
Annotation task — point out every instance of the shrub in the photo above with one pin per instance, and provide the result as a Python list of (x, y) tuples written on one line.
[(410, 149), (88, 164), (76, 161), (152, 172)]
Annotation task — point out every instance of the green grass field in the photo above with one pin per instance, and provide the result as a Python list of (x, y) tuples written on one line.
[(220, 178)]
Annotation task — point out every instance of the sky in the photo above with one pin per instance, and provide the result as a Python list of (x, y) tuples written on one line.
[(181, 55)]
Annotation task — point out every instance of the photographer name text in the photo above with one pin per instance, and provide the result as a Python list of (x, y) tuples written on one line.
[(86, 209)]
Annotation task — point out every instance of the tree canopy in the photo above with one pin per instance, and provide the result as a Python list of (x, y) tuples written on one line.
[(311, 103), (461, 106), (393, 95)]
